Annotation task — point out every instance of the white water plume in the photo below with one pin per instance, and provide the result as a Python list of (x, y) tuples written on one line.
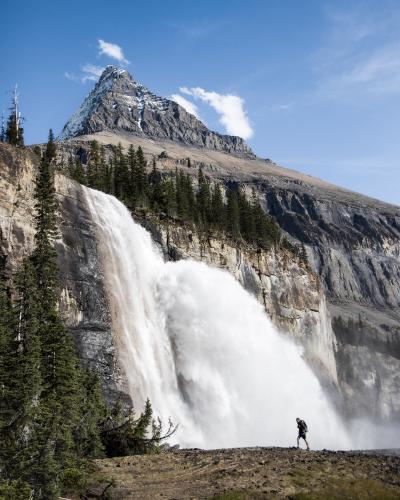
[(202, 349)]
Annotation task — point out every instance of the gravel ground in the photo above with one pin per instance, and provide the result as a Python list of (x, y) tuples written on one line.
[(245, 473)]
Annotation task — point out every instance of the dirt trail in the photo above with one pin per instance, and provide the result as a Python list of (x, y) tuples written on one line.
[(243, 473)]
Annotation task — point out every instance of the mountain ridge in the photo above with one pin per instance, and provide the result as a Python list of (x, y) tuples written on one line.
[(118, 103)]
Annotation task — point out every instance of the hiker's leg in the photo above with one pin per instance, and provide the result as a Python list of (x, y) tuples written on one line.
[(306, 443), (298, 442)]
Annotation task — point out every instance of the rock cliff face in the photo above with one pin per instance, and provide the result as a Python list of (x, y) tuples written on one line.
[(119, 103), (83, 300), (348, 320), (291, 293), (353, 246)]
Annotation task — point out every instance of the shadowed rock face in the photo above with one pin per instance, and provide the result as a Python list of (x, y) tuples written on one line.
[(354, 246), (289, 291), (83, 299), (120, 104)]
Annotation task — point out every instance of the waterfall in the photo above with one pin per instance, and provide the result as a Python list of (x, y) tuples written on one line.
[(201, 348)]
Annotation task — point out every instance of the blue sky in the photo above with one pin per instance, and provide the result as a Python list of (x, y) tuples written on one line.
[(319, 81)]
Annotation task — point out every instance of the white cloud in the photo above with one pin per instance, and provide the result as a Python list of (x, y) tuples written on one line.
[(361, 55), (71, 77), (112, 50), (377, 72), (188, 105), (90, 73), (233, 116)]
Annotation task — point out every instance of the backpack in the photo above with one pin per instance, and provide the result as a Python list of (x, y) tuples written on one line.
[(304, 425)]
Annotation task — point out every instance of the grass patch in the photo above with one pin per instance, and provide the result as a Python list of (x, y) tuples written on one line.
[(238, 495), (362, 489)]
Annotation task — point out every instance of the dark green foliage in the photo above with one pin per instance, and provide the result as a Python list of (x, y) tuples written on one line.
[(76, 171), (203, 201), (52, 414), (126, 176), (15, 490), (128, 435), (2, 130), (50, 409), (14, 133), (37, 151), (232, 213)]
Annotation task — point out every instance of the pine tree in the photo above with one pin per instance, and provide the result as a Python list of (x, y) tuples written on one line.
[(121, 174), (8, 349), (169, 191), (14, 131), (3, 129), (93, 167), (141, 178), (203, 200), (232, 214), (246, 218), (182, 200), (157, 201), (217, 207), (60, 372), (191, 199), (132, 176)]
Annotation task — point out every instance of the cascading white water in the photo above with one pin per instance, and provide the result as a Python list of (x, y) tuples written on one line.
[(202, 349)]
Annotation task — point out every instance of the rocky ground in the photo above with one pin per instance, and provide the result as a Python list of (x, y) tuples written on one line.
[(246, 473)]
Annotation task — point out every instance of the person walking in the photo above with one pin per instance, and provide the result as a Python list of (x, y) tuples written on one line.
[(303, 429)]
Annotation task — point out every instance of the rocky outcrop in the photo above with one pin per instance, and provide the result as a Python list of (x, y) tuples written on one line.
[(353, 244), (120, 104), (291, 292), (83, 300)]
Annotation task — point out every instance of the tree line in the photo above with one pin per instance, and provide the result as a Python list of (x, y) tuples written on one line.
[(53, 418), (201, 202)]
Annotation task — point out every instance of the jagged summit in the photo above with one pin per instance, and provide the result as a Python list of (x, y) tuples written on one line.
[(121, 105)]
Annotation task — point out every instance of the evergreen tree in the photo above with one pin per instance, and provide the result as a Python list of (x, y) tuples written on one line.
[(182, 200), (38, 152), (232, 214), (14, 132), (132, 176), (246, 218), (8, 350), (203, 200), (93, 167), (157, 201), (128, 435), (217, 207), (169, 195), (61, 395), (3, 136), (141, 178), (79, 174), (267, 232), (121, 174)]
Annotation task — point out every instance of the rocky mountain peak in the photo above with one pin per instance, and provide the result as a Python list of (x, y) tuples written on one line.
[(121, 105)]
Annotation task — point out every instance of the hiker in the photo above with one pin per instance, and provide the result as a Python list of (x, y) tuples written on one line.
[(302, 426)]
